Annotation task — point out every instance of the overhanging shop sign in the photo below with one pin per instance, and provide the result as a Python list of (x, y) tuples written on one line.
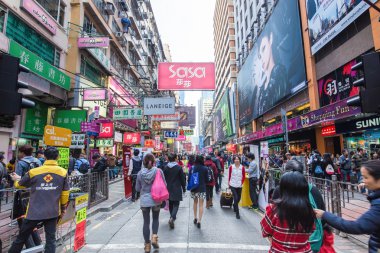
[(127, 113), (169, 125), (93, 42), (158, 106), (170, 117), (40, 15), (358, 125), (186, 76), (101, 57), (94, 94)]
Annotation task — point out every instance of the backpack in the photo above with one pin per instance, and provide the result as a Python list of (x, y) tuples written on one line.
[(159, 191), (210, 174), (318, 169), (83, 167), (193, 180), (330, 169), (316, 238), (31, 165)]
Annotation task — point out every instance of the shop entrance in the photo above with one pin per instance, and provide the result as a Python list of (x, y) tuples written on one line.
[(332, 145)]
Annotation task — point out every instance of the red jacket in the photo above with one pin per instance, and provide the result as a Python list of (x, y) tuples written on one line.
[(229, 175), (221, 162), (210, 163)]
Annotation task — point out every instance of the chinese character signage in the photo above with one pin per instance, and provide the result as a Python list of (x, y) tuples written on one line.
[(149, 143), (63, 160), (71, 119), (77, 141), (159, 106), (100, 56), (92, 42), (186, 132), (169, 125), (36, 119), (118, 137), (102, 143), (90, 127), (338, 85), (40, 15), (127, 113), (106, 130), (170, 117), (157, 140), (39, 66), (94, 94), (57, 136), (132, 138), (186, 76)]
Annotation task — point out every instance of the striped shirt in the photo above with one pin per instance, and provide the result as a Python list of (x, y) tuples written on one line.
[(283, 239)]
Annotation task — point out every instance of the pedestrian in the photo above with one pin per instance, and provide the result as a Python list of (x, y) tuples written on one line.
[(40, 156), (357, 160), (3, 176), (144, 182), (345, 166), (328, 166), (100, 163), (111, 162), (254, 176), (10, 169), (81, 165), (369, 222), (211, 182), (198, 194), (26, 161), (236, 179), (176, 184), (289, 221), (48, 200), (134, 168), (218, 181)]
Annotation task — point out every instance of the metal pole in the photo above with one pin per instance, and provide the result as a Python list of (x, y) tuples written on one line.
[(372, 5)]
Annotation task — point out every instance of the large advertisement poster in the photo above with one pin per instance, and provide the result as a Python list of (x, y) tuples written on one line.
[(338, 85), (275, 67), (187, 116), (225, 116), (327, 18), (218, 127)]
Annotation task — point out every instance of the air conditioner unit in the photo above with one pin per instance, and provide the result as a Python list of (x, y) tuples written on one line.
[(109, 9)]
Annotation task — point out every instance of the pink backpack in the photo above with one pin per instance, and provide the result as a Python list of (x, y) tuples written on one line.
[(159, 191)]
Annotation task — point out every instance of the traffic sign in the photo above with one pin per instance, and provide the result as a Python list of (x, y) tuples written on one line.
[(57, 136)]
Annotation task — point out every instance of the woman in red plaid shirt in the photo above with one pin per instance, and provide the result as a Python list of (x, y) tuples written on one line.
[(289, 221)]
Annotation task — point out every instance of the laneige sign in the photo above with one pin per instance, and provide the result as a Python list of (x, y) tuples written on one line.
[(158, 106), (358, 125)]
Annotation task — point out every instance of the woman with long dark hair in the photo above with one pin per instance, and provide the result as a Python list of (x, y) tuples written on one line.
[(289, 220), (236, 179), (144, 182), (328, 166), (369, 222)]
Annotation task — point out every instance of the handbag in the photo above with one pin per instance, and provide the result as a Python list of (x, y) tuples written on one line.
[(159, 191), (330, 169)]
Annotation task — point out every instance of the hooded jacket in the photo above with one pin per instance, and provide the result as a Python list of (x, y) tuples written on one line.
[(145, 179), (368, 223), (176, 181)]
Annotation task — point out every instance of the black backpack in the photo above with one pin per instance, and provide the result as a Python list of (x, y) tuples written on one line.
[(83, 167), (217, 163), (31, 165), (210, 174)]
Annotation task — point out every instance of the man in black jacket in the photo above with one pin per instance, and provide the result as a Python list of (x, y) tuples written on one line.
[(176, 184), (100, 163), (134, 168)]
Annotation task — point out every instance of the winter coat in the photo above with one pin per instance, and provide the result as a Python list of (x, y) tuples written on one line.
[(145, 179), (368, 223), (209, 163), (176, 181)]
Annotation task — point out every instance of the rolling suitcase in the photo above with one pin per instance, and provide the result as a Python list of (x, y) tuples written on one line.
[(226, 198)]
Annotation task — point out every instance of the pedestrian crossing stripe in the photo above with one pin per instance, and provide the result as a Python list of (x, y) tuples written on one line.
[(180, 246)]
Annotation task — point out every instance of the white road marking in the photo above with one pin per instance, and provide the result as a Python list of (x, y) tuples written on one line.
[(180, 246)]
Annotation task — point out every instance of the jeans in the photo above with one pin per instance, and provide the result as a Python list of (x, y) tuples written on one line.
[(112, 172), (236, 192), (173, 209), (218, 182), (155, 224), (209, 192), (27, 228), (253, 191), (135, 194)]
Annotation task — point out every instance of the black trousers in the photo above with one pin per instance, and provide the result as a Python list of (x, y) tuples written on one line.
[(27, 228), (253, 192), (209, 192), (135, 194), (236, 192), (173, 209), (218, 181)]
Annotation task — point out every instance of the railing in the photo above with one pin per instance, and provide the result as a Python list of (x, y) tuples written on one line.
[(95, 184), (341, 198)]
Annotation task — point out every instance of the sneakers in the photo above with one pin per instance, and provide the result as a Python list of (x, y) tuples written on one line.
[(171, 223)]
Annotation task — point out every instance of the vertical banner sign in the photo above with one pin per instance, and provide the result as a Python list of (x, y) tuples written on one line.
[(264, 149), (157, 139), (92, 153), (284, 119), (63, 160), (36, 119), (127, 153)]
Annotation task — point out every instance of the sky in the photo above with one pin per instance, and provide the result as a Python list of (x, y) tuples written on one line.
[(187, 27)]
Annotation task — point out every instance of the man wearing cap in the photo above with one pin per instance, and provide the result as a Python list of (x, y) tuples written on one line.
[(48, 199)]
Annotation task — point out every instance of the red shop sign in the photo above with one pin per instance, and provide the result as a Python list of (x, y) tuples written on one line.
[(328, 131), (106, 130), (132, 138), (149, 143)]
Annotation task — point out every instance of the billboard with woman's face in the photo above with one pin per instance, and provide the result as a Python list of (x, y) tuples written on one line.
[(275, 67)]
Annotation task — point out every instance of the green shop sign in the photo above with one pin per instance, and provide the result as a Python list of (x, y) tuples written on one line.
[(36, 119), (64, 155), (70, 119), (39, 66)]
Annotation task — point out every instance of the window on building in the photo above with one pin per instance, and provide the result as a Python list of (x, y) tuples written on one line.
[(88, 26), (2, 18), (241, 17), (61, 17), (101, 5), (251, 11), (30, 39), (115, 26), (246, 24), (245, 5), (56, 9), (89, 70), (57, 58)]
